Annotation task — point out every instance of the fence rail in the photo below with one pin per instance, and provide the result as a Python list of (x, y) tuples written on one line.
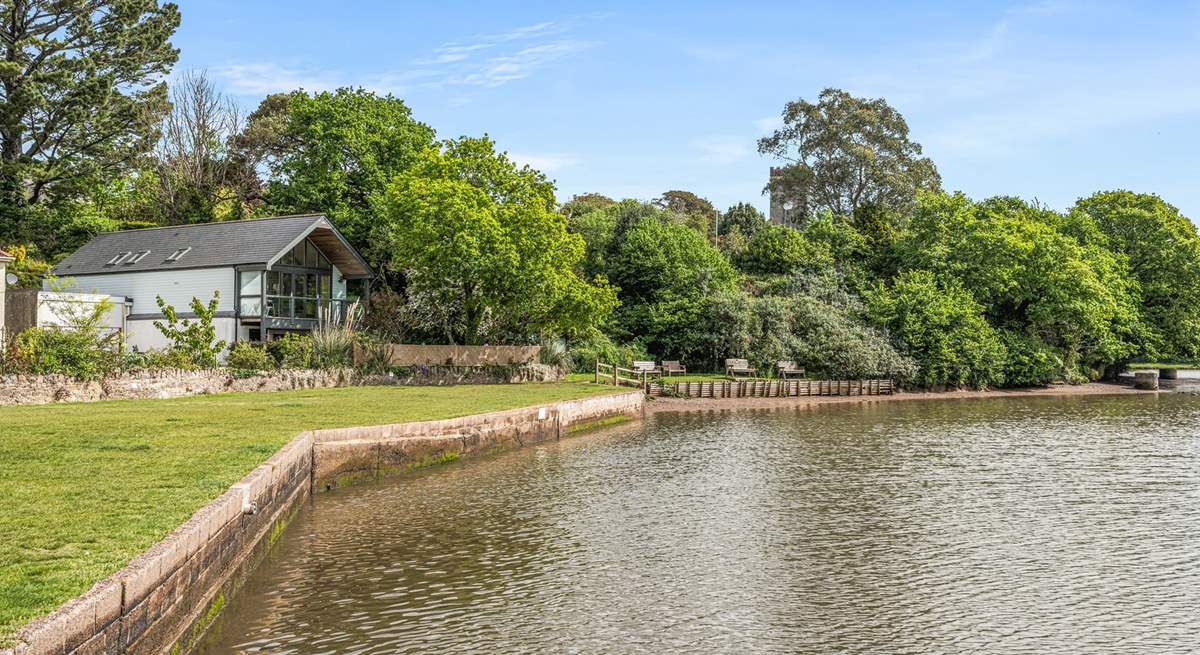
[(609, 374), (771, 388)]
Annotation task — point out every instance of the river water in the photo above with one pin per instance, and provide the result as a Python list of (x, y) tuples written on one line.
[(1039, 525)]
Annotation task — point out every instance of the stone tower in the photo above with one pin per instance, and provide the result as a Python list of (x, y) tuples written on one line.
[(779, 213)]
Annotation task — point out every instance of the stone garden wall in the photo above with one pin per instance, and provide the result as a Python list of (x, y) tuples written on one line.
[(173, 383)]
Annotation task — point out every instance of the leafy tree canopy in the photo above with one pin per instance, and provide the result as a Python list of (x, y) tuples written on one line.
[(657, 257), (1029, 276), (586, 202), (845, 154), (484, 251), (944, 329), (333, 152), (81, 87), (778, 249), (745, 217), (1163, 251)]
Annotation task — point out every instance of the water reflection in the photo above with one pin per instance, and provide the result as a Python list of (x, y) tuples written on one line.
[(1009, 526)]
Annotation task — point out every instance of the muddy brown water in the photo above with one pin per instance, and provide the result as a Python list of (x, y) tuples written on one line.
[(1039, 525)]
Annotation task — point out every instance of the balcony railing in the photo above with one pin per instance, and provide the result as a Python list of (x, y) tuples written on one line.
[(313, 309)]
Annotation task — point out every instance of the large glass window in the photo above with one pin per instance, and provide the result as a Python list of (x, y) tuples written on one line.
[(251, 306), (303, 293), (250, 284)]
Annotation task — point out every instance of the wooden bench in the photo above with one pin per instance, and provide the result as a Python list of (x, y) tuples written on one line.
[(786, 368), (644, 366), (671, 367), (736, 367)]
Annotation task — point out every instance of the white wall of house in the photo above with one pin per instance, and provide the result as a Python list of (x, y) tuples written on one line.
[(176, 288), (56, 309), (142, 334), (337, 286)]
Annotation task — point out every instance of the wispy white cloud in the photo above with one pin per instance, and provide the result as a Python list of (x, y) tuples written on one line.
[(723, 148), (546, 162), (485, 60), (496, 71), (264, 78)]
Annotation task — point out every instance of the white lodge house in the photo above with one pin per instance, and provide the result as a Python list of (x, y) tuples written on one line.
[(274, 275)]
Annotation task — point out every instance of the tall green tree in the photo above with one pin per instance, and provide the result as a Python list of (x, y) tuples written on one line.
[(944, 329), (81, 91), (778, 249), (484, 250), (689, 209), (745, 217), (1163, 251), (668, 275), (1030, 277), (846, 154), (333, 153)]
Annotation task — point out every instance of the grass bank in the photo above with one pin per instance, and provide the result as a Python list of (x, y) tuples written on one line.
[(86, 487)]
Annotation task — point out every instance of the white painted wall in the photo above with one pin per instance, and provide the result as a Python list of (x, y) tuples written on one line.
[(144, 336), (63, 309), (176, 288), (337, 286)]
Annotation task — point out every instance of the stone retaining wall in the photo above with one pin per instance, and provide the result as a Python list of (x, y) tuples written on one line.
[(164, 600), (174, 383), (347, 455)]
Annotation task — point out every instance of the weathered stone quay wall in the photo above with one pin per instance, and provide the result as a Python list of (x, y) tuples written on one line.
[(164, 600)]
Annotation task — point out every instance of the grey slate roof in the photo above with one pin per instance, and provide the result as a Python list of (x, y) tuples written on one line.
[(229, 243)]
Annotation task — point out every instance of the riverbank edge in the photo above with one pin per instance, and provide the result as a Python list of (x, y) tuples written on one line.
[(165, 598), (665, 404)]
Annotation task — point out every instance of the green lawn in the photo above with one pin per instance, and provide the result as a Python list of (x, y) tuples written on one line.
[(1156, 365), (85, 487)]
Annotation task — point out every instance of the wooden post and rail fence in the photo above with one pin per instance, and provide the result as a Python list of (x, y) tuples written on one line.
[(610, 374)]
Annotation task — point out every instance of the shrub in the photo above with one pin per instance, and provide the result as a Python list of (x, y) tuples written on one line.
[(554, 352), (193, 339), (158, 358), (832, 336), (76, 353), (943, 327), (596, 346), (133, 360), (780, 249), (247, 356), (376, 354), (1030, 361), (291, 351), (332, 347)]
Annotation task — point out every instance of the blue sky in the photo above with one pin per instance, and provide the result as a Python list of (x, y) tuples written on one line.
[(1048, 100)]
